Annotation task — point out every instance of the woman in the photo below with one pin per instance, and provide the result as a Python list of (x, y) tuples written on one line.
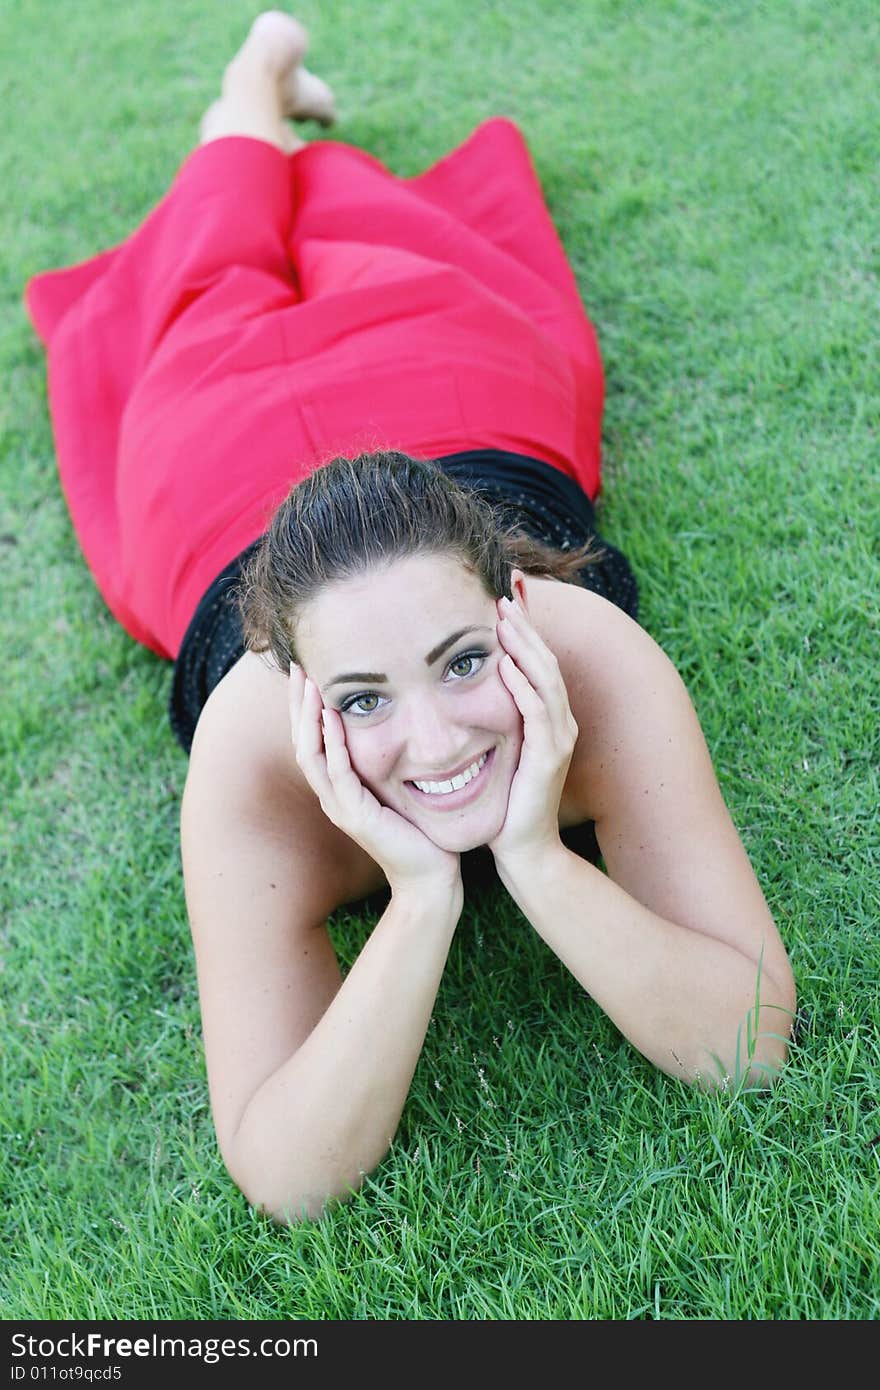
[(430, 658)]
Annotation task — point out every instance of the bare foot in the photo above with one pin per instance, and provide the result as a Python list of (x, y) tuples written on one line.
[(283, 42), (266, 84)]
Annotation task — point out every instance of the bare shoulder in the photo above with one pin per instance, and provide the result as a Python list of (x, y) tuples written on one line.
[(243, 787), (622, 687), (642, 771), (244, 729), (245, 784)]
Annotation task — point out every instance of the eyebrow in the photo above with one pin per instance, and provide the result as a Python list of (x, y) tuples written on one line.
[(379, 677)]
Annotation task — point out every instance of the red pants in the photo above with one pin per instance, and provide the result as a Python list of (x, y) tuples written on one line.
[(276, 310)]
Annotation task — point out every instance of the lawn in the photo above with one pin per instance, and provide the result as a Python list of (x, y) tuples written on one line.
[(713, 172)]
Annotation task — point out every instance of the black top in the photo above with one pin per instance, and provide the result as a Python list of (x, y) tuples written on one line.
[(543, 501)]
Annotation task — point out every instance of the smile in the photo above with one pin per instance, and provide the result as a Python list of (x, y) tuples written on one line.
[(454, 784)]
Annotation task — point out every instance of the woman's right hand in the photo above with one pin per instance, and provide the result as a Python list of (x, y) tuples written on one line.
[(403, 852)]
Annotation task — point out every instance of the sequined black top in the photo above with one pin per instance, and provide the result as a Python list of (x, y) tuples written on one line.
[(543, 501)]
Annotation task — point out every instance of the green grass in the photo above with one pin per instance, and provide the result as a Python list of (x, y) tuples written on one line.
[(712, 170)]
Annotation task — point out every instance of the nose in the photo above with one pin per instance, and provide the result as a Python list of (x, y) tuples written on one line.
[(435, 743)]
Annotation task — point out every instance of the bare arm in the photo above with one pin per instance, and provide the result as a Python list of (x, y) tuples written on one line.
[(308, 1073), (696, 1007), (677, 943), (329, 1113)]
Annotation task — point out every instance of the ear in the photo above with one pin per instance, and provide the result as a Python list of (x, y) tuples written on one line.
[(518, 589)]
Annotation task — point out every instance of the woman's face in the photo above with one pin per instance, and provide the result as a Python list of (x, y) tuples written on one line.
[(409, 656)]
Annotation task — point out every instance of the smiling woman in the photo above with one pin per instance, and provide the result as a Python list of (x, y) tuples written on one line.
[(408, 581), (330, 440), (440, 740)]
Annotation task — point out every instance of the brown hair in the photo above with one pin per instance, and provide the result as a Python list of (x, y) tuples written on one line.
[(353, 514)]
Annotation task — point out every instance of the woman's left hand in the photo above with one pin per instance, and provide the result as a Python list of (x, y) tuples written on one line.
[(531, 673)]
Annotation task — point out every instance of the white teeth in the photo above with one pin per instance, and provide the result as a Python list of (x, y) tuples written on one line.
[(455, 783)]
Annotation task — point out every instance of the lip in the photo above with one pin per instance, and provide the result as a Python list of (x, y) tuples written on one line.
[(448, 776), (450, 801)]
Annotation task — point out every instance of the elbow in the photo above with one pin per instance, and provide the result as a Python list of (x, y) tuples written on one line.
[(294, 1209), (776, 1021), (294, 1173), (762, 1069), (288, 1198), (762, 1042), (765, 1034), (768, 1048), (292, 1204)]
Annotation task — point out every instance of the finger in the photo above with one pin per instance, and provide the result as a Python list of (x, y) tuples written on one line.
[(545, 678), (309, 742), (294, 697), (351, 797), (541, 728), (518, 621), (528, 700), (310, 738), (338, 762), (532, 655), (529, 648)]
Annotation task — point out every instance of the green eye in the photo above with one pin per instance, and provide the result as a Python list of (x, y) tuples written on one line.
[(366, 703), (462, 665), (468, 664)]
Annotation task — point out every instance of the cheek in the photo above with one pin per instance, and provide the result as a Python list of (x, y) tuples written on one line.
[(493, 706), (371, 752)]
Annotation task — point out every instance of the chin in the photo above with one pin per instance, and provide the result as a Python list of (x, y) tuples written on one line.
[(459, 842), (458, 835)]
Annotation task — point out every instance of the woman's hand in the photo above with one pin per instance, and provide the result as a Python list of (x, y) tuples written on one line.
[(404, 854), (531, 673)]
